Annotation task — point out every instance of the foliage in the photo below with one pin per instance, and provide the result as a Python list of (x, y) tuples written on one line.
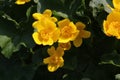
[(98, 57)]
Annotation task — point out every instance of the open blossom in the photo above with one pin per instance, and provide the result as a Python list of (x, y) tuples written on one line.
[(82, 34), (55, 60), (68, 31), (111, 26), (20, 2), (46, 31)]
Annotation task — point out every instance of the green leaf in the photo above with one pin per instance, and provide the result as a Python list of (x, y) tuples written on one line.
[(28, 12), (111, 58), (7, 46), (23, 34), (5, 16), (60, 14)]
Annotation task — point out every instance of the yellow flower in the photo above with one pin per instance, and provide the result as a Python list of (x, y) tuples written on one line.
[(46, 31), (55, 60), (111, 26), (82, 34), (68, 31), (20, 2), (65, 46), (116, 4), (46, 34)]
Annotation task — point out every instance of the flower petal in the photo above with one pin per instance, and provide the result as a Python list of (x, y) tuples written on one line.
[(51, 51), (116, 4), (37, 16), (47, 13), (64, 40), (47, 42), (53, 19), (56, 35), (63, 23), (74, 35), (53, 68), (85, 34), (80, 25), (114, 28), (46, 60), (60, 51), (37, 25), (36, 38), (77, 42), (113, 16), (20, 2), (106, 27), (72, 25)]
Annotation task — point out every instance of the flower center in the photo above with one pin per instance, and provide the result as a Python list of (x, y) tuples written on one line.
[(45, 34), (66, 32), (56, 60), (115, 28)]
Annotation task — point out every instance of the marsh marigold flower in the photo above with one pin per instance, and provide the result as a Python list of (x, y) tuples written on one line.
[(46, 31), (68, 31), (55, 60), (82, 34), (111, 26), (20, 2)]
